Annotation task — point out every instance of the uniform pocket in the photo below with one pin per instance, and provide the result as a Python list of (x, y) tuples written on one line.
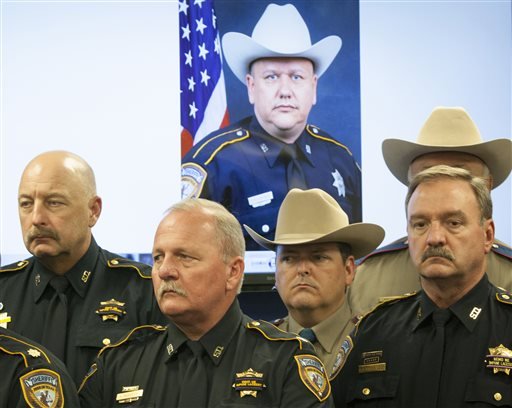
[(494, 391), (376, 391)]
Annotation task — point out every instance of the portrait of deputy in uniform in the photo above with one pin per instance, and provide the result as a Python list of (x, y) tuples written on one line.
[(316, 249), (210, 354), (71, 296), (250, 166), (447, 345), (449, 136), (32, 376)]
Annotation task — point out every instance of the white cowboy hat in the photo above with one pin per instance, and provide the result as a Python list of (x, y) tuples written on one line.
[(280, 32), (449, 129), (313, 216)]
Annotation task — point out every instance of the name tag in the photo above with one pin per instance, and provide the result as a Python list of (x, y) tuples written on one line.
[(261, 199)]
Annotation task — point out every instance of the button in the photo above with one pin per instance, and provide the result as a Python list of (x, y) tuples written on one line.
[(495, 246), (255, 323), (265, 228), (315, 131), (20, 263), (239, 133), (114, 261), (366, 391), (497, 396), (504, 296), (106, 342)]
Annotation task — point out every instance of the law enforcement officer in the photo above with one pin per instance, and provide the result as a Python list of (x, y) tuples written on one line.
[(72, 296), (315, 247), (210, 354), (447, 345), (32, 376), (251, 165), (449, 136)]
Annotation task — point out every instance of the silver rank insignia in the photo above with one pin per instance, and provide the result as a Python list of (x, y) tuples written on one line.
[(42, 388), (312, 373), (129, 394), (249, 382), (500, 359), (111, 310), (4, 319)]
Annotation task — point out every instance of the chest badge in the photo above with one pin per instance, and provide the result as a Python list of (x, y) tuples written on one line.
[(111, 310), (249, 382), (499, 359), (129, 394), (339, 183)]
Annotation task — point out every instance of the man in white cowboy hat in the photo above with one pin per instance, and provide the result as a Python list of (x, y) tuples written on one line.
[(251, 165), (450, 137), (316, 248)]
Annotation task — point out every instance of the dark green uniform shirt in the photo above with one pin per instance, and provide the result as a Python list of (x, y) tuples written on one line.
[(32, 376), (393, 352), (248, 363), (99, 276)]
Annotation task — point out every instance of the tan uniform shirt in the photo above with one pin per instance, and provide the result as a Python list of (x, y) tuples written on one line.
[(392, 273), (330, 334)]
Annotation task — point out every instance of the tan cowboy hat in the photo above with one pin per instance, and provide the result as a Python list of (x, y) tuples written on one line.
[(280, 32), (449, 129), (313, 216)]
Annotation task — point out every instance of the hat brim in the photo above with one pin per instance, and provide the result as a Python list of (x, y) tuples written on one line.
[(362, 237), (497, 155), (240, 50)]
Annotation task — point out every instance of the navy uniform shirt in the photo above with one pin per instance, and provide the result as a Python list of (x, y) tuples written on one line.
[(393, 350), (107, 297), (247, 363), (242, 167), (389, 271), (32, 376)]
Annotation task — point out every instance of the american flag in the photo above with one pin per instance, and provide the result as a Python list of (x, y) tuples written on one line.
[(203, 92)]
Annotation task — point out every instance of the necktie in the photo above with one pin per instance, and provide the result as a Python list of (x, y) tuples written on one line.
[(194, 390), (294, 173), (308, 334), (55, 330)]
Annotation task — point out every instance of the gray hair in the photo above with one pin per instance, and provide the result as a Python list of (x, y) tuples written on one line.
[(477, 184)]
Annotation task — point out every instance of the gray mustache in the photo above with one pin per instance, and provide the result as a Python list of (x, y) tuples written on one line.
[(170, 286), (437, 252)]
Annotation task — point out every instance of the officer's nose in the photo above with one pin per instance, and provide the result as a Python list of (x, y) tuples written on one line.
[(166, 269), (436, 235), (285, 89), (39, 214), (303, 267)]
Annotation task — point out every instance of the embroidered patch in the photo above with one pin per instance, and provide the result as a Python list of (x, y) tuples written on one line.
[(312, 373), (249, 382), (192, 180), (341, 356), (500, 359), (42, 388)]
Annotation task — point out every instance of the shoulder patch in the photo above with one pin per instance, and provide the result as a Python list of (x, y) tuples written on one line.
[(341, 356), (398, 245), (313, 375), (502, 249), (318, 133), (137, 333), (273, 333), (42, 388), (193, 177), (17, 266), (141, 269), (210, 147)]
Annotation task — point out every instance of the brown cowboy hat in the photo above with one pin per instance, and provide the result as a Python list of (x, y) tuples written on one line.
[(313, 216), (449, 129)]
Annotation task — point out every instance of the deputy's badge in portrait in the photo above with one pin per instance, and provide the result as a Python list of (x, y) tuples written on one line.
[(249, 383), (42, 388), (312, 373)]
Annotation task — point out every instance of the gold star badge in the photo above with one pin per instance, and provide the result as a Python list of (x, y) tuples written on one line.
[(500, 359)]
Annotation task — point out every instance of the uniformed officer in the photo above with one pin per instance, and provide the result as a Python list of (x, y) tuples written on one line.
[(210, 354), (449, 344), (251, 165), (315, 263), (32, 376), (449, 136), (72, 296)]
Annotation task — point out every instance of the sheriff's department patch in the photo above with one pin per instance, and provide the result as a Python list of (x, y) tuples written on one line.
[(193, 178), (42, 389), (312, 374)]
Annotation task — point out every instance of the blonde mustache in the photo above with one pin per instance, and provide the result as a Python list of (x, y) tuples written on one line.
[(170, 286)]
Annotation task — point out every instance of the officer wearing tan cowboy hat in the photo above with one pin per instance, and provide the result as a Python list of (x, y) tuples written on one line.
[(450, 137), (250, 166), (316, 248)]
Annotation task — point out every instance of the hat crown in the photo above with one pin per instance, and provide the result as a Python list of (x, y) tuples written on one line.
[(309, 214), (449, 127), (282, 29)]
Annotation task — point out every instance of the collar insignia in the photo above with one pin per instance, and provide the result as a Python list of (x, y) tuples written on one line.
[(264, 148), (85, 276), (129, 394), (4, 319), (37, 280), (371, 362), (312, 374), (42, 388), (308, 149), (111, 310), (249, 383), (500, 359), (218, 351)]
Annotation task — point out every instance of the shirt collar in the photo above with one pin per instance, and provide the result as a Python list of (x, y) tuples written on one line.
[(215, 342), (79, 276)]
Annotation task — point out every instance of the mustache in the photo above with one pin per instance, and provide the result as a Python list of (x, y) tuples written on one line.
[(437, 252), (41, 232), (170, 286)]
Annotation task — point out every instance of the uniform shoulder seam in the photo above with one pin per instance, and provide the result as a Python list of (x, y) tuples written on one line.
[(274, 333), (136, 331)]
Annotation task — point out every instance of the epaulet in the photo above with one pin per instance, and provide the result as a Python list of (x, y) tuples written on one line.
[(273, 333), (398, 245), (15, 267), (318, 133), (503, 296), (30, 353), (208, 148), (115, 261), (502, 249), (136, 333)]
